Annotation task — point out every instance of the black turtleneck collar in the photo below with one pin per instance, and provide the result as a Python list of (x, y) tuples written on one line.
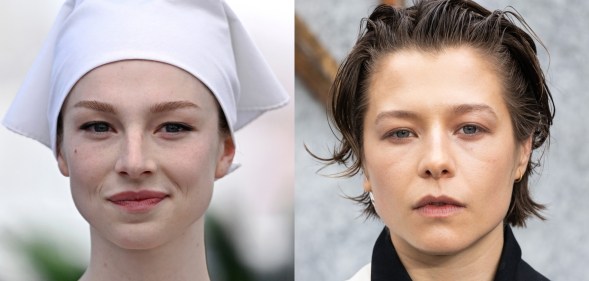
[(386, 264)]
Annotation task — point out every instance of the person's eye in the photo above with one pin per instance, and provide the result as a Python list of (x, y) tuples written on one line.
[(175, 128), (400, 134), (98, 127), (471, 130)]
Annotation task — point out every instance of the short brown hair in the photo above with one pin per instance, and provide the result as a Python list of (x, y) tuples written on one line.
[(431, 26)]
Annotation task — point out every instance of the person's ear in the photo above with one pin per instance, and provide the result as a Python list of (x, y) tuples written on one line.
[(226, 154), (62, 163), (525, 150)]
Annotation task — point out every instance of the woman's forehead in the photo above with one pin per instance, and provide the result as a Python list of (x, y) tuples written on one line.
[(416, 79), (136, 82)]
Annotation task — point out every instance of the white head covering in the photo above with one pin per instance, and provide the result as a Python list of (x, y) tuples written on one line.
[(203, 37)]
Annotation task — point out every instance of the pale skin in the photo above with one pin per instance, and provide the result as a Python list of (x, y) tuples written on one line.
[(437, 124), (143, 125)]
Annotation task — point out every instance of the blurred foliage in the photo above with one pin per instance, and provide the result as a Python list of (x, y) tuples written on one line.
[(224, 262), (48, 261), (52, 263)]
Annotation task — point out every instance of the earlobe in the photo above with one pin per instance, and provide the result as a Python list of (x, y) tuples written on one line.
[(62, 164), (368, 189), (226, 154)]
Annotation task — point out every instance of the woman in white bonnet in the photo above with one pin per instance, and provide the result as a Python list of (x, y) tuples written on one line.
[(139, 101)]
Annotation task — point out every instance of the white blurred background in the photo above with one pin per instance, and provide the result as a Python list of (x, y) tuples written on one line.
[(254, 204)]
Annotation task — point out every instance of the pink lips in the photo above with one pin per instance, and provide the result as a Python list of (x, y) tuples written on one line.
[(137, 202), (438, 207)]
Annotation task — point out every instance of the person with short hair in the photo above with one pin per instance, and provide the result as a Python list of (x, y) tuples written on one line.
[(440, 107)]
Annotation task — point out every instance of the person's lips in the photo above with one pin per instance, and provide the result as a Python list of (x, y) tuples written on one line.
[(437, 200), (137, 201), (137, 195), (438, 206)]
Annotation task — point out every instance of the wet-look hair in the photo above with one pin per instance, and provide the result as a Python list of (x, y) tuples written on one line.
[(501, 36)]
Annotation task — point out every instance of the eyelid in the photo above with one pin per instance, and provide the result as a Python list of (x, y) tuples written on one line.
[(185, 127), (88, 125), (391, 134), (480, 129)]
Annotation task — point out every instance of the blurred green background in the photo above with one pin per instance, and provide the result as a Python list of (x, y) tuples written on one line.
[(47, 260)]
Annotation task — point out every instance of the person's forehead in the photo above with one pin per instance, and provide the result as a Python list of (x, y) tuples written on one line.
[(135, 81)]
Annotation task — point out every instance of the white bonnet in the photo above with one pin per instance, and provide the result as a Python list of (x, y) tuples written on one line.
[(203, 37)]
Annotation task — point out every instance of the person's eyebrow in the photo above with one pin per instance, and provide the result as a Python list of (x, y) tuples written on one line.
[(460, 109), (172, 105), (96, 105), (399, 114), (473, 108)]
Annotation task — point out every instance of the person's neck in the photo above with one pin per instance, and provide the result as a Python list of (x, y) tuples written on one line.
[(479, 261), (181, 259)]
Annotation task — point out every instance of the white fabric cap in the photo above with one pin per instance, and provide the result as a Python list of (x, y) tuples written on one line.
[(203, 37)]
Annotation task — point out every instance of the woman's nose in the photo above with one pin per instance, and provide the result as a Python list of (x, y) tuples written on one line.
[(134, 160), (437, 158)]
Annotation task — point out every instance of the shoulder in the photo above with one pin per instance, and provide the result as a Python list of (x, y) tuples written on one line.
[(362, 275), (526, 272)]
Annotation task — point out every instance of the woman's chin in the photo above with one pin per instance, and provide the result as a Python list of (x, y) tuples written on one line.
[(439, 242), (138, 238), (441, 249)]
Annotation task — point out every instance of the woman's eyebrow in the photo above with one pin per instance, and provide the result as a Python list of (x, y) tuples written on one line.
[(172, 105), (156, 108), (96, 105), (400, 114), (473, 108), (460, 109)]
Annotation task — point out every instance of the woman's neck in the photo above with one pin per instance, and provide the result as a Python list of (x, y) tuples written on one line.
[(478, 261), (181, 259)]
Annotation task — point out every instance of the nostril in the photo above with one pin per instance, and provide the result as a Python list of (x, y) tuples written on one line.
[(436, 173)]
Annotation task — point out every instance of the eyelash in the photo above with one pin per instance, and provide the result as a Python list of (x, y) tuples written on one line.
[(394, 134), (91, 127), (181, 126), (479, 130)]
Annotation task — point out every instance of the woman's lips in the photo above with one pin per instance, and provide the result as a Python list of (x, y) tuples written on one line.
[(137, 201), (438, 206)]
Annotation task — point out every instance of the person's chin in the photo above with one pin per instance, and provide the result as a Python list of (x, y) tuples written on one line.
[(440, 241), (138, 238), (441, 248)]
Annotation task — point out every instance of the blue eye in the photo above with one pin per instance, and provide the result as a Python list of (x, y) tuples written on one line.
[(470, 129), (96, 127), (402, 134), (399, 134), (176, 128)]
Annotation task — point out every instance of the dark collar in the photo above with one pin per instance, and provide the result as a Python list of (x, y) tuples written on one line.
[(386, 264)]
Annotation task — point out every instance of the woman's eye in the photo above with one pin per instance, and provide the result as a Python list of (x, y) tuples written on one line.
[(400, 134), (175, 128), (470, 129), (96, 127)]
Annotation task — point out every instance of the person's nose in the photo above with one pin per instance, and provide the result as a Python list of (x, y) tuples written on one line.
[(437, 157), (135, 160)]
